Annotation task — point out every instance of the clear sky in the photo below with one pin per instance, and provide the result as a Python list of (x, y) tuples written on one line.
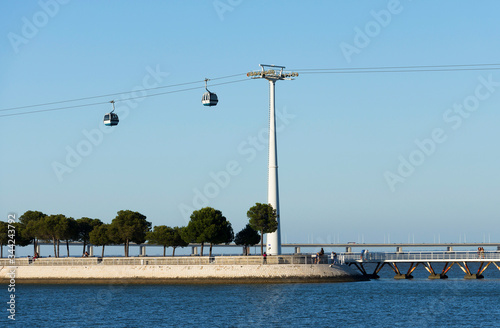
[(362, 157)]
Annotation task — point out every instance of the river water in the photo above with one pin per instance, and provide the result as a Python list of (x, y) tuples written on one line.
[(385, 302)]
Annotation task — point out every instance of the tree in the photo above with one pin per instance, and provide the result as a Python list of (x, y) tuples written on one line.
[(53, 227), (208, 225), (29, 224), (129, 227), (68, 231), (219, 230), (100, 236), (11, 231), (167, 237), (177, 240), (262, 218), (85, 226), (4, 239), (247, 237)]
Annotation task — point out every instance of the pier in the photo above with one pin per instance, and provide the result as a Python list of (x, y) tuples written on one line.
[(429, 260), (436, 263)]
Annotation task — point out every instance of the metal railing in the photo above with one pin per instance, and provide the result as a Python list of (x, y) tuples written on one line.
[(177, 260), (256, 259), (421, 256)]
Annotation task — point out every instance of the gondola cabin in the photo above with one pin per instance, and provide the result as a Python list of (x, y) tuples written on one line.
[(209, 99), (111, 119)]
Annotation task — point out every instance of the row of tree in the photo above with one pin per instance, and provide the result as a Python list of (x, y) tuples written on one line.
[(206, 226)]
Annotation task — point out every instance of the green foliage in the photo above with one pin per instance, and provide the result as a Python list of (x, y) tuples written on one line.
[(129, 226), (247, 237), (263, 218), (4, 236), (30, 223), (54, 227), (85, 226), (11, 231), (68, 229), (208, 225), (21, 240), (167, 237), (100, 236)]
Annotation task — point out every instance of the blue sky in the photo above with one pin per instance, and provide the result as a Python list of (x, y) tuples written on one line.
[(341, 135)]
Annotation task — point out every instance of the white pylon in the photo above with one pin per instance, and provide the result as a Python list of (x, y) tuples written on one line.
[(273, 240)]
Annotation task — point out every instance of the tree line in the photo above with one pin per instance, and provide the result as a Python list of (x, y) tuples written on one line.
[(206, 226)]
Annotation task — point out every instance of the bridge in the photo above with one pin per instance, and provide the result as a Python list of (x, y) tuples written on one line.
[(429, 260)]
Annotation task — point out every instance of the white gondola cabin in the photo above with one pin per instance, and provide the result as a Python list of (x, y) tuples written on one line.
[(111, 119), (209, 98)]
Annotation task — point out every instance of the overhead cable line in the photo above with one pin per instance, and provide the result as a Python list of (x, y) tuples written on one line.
[(401, 71), (114, 94), (398, 69), (357, 70), (119, 100)]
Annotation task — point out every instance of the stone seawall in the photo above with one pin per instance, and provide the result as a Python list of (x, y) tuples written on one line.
[(171, 274)]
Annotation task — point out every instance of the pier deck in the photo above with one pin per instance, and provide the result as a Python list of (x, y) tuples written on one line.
[(426, 259)]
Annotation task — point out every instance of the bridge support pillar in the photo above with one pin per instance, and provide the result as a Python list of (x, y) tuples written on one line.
[(194, 250), (474, 276), (399, 249), (438, 276), (90, 250), (142, 250), (403, 276), (38, 249), (449, 249), (348, 249), (297, 250)]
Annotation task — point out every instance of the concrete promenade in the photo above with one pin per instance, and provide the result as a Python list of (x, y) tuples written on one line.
[(190, 270)]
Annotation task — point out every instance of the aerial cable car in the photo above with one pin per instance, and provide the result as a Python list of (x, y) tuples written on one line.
[(111, 119), (209, 98)]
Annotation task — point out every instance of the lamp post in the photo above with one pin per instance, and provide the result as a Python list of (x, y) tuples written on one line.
[(273, 73)]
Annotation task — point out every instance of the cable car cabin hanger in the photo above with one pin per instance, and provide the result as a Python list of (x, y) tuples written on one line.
[(209, 98), (111, 119)]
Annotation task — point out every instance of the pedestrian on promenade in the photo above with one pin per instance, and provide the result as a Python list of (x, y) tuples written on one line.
[(264, 258), (319, 255), (334, 258)]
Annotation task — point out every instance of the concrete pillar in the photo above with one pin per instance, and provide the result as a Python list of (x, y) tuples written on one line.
[(403, 276), (449, 249), (142, 250), (348, 249), (38, 249), (437, 276), (194, 250), (297, 250), (90, 250), (399, 249), (498, 248), (474, 276)]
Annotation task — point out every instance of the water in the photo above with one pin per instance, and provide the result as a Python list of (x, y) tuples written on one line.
[(380, 303)]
